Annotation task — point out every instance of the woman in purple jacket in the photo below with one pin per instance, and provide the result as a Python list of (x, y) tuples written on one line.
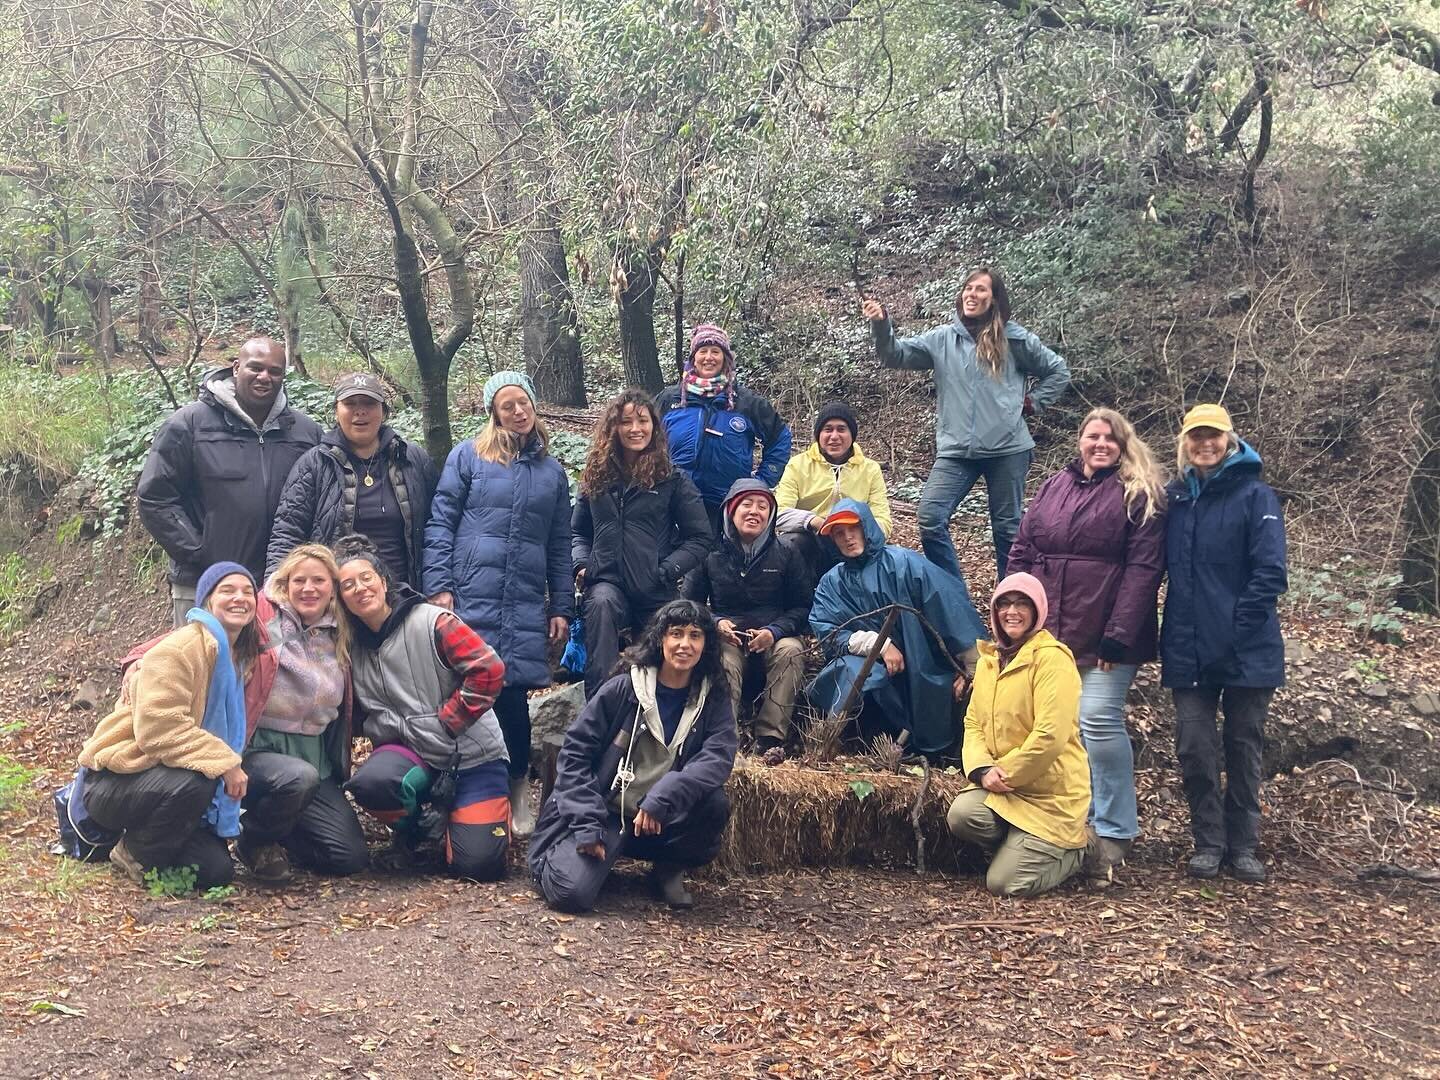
[(1095, 537)]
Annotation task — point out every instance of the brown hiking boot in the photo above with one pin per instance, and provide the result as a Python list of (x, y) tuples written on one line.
[(267, 863), (1102, 856), (126, 863)]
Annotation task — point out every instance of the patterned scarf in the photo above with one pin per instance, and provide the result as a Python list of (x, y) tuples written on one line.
[(712, 387)]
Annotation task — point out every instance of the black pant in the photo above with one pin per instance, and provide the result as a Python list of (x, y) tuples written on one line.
[(570, 881), (1233, 825), (161, 811), (608, 613), (287, 803), (512, 709)]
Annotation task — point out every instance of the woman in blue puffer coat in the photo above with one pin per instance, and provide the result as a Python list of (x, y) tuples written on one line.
[(497, 552), (1220, 643)]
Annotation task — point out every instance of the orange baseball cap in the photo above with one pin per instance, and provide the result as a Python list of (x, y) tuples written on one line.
[(839, 517)]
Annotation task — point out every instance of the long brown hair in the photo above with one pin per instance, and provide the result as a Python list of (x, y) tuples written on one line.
[(603, 464), (1139, 472), (990, 341), (278, 587)]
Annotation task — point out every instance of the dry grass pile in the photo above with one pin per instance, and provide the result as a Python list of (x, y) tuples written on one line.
[(792, 815), (1331, 816)]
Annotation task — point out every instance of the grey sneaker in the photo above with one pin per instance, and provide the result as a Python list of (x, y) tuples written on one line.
[(267, 863), (1245, 866), (668, 883), (1204, 864), (126, 863)]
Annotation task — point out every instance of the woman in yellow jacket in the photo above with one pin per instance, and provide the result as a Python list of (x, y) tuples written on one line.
[(833, 468), (1023, 750)]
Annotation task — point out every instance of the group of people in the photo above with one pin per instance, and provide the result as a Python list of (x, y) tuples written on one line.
[(331, 585)]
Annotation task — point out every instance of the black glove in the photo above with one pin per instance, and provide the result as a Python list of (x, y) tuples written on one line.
[(1112, 651)]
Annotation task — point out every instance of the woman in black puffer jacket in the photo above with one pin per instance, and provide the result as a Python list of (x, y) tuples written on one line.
[(639, 527), (362, 478)]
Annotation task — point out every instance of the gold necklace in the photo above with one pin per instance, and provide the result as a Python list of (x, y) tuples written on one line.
[(369, 464)]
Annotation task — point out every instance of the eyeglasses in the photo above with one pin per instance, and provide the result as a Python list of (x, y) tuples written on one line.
[(366, 578), (1018, 605)]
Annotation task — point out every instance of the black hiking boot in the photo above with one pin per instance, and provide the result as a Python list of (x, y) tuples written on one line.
[(1245, 866), (1204, 864), (668, 884)]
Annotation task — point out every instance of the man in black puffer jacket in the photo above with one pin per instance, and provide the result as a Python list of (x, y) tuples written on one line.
[(362, 478), (213, 477), (760, 590)]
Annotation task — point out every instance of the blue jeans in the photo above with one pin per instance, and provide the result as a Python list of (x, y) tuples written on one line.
[(949, 482), (1107, 744)]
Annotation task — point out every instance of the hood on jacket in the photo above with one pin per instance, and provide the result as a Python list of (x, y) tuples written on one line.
[(1030, 586), (874, 537), (218, 387), (335, 437), (402, 599), (855, 456), (747, 485), (1244, 460)]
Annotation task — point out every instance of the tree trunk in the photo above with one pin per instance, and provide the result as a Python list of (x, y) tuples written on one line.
[(102, 315), (639, 351), (1420, 569), (150, 211), (430, 357), (547, 314), (290, 325)]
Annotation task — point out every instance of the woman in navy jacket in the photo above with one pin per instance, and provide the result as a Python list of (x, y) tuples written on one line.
[(497, 552), (713, 424), (1220, 642)]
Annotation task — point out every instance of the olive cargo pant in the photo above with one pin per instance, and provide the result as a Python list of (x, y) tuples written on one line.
[(1022, 864)]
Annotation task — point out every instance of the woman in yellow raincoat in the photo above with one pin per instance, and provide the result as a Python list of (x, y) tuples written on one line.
[(1023, 750)]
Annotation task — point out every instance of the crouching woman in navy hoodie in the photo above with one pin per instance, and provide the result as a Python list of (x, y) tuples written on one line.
[(643, 768)]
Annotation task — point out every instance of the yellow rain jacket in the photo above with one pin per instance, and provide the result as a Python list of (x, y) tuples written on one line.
[(810, 483), (1026, 719)]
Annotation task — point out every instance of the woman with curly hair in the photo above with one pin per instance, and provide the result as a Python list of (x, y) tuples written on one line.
[(643, 768), (1095, 537), (638, 528)]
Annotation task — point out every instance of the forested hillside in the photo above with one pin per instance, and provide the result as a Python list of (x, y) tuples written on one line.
[(1191, 202)]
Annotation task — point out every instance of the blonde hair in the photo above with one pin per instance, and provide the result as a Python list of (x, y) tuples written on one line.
[(278, 586), (1139, 473), (1182, 453), (495, 444)]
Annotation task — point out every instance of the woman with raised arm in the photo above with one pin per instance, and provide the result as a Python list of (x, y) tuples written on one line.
[(983, 363)]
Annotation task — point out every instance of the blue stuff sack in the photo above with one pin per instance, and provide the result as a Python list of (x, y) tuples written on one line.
[(81, 836)]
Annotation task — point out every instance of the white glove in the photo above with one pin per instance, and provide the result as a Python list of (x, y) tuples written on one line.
[(862, 641)]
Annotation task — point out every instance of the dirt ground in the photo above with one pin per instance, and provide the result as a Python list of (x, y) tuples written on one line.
[(803, 974), (810, 973)]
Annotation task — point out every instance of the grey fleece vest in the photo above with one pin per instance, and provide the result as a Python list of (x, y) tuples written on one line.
[(402, 686)]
